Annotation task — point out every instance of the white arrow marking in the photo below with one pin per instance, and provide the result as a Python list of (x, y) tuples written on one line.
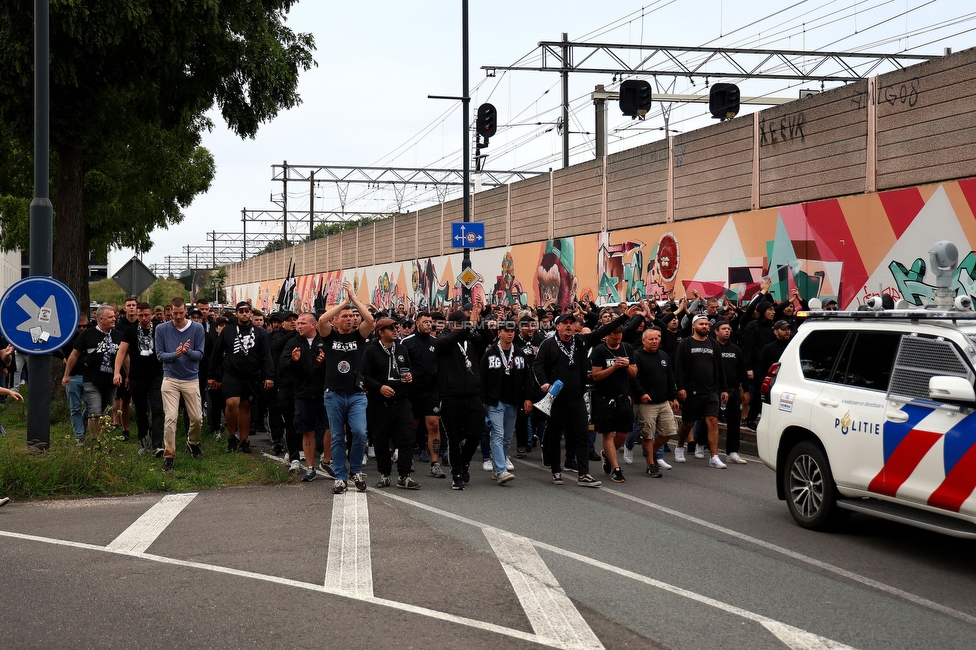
[(144, 530), (349, 568), (45, 317), (549, 610)]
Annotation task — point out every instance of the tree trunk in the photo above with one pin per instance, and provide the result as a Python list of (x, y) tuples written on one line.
[(71, 249)]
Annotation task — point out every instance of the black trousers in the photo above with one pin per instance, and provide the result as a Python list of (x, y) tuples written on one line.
[(147, 397), (391, 422), (286, 408), (522, 426), (464, 419), (733, 422), (569, 414)]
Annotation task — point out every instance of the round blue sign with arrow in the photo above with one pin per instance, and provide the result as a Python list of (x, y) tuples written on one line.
[(38, 315)]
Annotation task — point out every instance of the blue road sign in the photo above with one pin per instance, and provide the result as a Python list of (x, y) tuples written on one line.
[(467, 235), (38, 315)]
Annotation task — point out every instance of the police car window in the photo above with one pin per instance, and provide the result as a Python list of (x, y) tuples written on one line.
[(819, 352), (870, 360), (919, 359)]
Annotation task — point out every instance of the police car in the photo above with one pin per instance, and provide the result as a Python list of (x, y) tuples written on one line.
[(875, 412)]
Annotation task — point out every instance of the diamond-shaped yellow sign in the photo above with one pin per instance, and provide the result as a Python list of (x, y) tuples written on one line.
[(468, 278)]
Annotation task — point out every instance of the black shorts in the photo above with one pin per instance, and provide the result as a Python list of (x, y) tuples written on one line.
[(310, 415), (697, 407), (426, 403), (612, 414), (246, 389)]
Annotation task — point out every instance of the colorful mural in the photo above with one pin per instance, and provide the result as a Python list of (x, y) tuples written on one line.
[(848, 249)]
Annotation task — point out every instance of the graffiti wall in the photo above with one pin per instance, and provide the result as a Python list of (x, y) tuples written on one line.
[(847, 249)]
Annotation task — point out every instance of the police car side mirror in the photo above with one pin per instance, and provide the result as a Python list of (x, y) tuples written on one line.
[(951, 389)]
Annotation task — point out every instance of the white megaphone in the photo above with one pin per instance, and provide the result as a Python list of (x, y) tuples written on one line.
[(545, 404)]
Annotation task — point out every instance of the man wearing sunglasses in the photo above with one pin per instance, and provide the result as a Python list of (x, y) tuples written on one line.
[(240, 367)]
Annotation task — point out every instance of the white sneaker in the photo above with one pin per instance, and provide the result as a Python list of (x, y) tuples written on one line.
[(628, 456), (662, 464), (699, 452), (365, 460), (486, 465), (736, 459), (716, 462), (509, 466), (396, 455), (679, 454), (295, 468), (301, 455), (371, 452)]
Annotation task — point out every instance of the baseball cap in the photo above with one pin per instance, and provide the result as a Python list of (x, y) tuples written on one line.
[(699, 317), (564, 317)]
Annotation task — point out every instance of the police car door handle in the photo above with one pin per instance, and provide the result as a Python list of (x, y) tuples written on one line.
[(829, 402), (896, 416)]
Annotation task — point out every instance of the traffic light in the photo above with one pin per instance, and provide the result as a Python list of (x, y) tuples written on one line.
[(487, 122), (635, 98), (723, 101)]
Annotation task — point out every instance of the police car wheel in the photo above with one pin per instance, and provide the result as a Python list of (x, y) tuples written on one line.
[(811, 493)]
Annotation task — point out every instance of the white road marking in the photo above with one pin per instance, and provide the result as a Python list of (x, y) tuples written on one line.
[(382, 602), (820, 564), (793, 637), (144, 530), (549, 610), (349, 569)]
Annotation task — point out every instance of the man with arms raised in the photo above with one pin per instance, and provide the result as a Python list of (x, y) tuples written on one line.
[(345, 400)]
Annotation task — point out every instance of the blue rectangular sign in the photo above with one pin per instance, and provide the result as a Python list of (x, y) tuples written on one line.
[(467, 235)]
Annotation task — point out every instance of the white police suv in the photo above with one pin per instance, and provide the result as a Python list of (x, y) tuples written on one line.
[(875, 412)]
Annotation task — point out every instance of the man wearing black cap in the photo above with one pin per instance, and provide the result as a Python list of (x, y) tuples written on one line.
[(458, 353), (773, 350), (387, 376), (563, 357), (241, 366)]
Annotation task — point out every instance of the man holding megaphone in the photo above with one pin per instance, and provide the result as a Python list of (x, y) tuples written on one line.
[(563, 357)]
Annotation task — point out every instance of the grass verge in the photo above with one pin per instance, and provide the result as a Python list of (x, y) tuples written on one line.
[(110, 466)]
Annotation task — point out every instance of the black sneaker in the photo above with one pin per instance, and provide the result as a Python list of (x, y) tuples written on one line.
[(465, 475), (606, 462), (585, 480), (309, 475), (595, 456), (457, 483), (232, 443), (194, 451), (617, 476), (277, 449), (557, 478), (339, 487), (168, 465), (245, 447), (653, 471), (328, 468), (158, 453), (520, 452), (360, 481), (407, 483), (571, 466), (125, 435)]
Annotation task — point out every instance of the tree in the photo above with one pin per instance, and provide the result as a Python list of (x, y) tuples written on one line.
[(131, 82), (163, 291), (107, 290)]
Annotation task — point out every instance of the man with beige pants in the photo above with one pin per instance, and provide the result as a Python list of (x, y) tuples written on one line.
[(179, 345)]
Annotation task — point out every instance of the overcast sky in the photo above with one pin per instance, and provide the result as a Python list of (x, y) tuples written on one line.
[(366, 102)]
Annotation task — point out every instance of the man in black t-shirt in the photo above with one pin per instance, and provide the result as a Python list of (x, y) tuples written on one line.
[(345, 400), (700, 379), (120, 412), (613, 410), (656, 400), (144, 375), (95, 350)]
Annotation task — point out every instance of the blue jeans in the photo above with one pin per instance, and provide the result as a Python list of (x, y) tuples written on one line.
[(502, 418), (77, 404), (347, 410)]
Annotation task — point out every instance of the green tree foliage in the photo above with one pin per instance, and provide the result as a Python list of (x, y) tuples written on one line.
[(162, 291), (131, 83), (107, 290)]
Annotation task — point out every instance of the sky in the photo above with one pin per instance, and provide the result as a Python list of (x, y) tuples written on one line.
[(366, 102)]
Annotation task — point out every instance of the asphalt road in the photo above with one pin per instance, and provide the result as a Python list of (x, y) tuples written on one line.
[(702, 558)]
